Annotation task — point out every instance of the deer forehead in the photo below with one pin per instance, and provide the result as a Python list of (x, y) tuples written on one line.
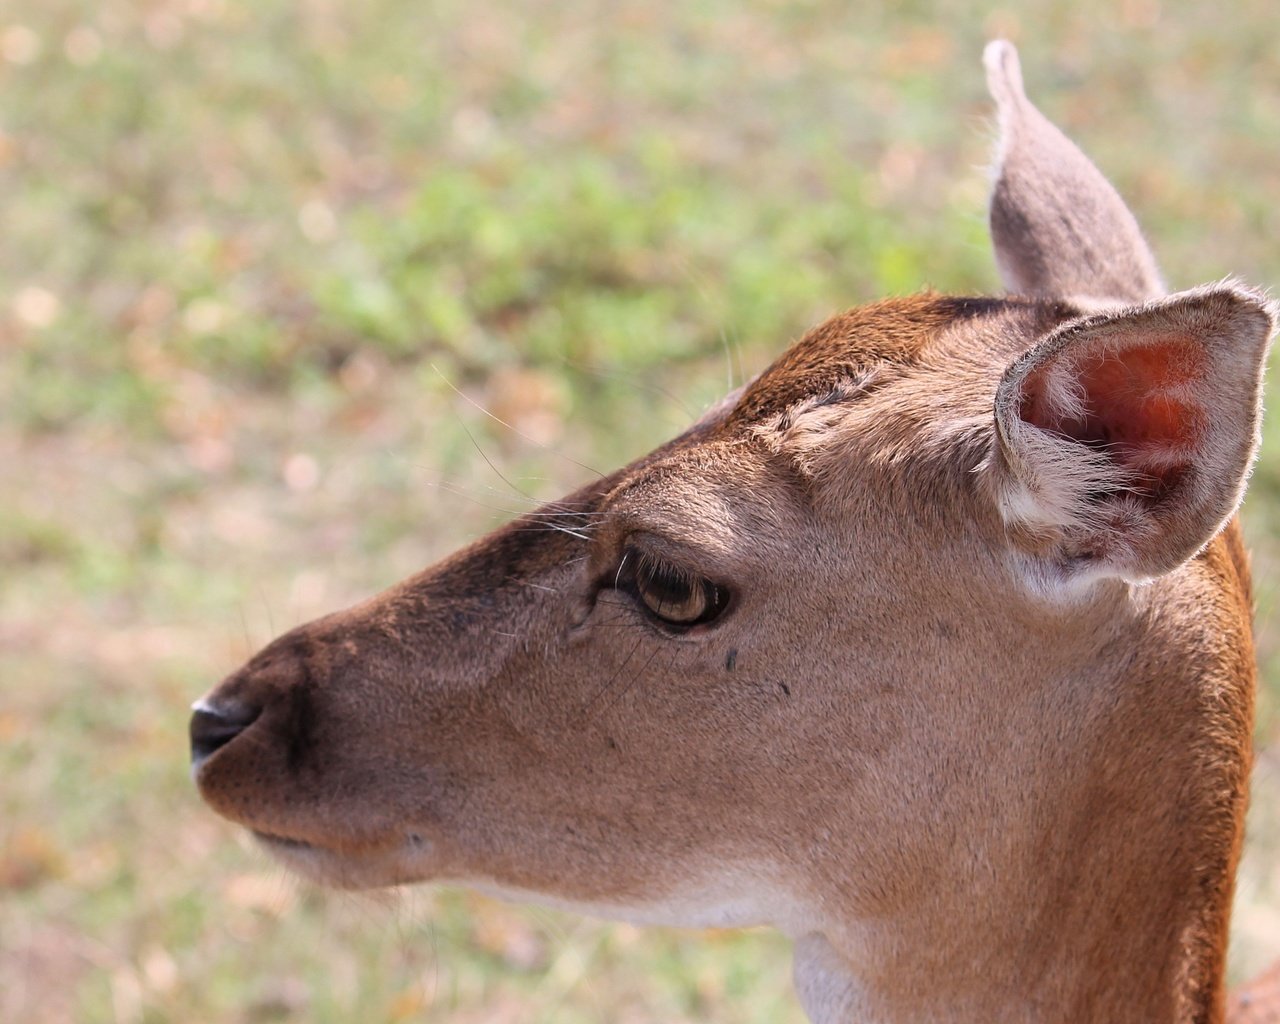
[(908, 377)]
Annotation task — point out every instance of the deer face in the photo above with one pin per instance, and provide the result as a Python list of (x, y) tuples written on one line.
[(641, 697), (846, 652), (774, 632)]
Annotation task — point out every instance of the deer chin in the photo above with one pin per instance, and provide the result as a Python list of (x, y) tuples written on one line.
[(710, 898), (395, 861)]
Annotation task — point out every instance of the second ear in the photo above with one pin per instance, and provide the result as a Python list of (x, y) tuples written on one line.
[(1058, 227)]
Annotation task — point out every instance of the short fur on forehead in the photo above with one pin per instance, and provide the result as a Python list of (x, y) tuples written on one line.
[(877, 416)]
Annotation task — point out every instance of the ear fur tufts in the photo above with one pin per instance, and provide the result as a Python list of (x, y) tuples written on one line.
[(1125, 437)]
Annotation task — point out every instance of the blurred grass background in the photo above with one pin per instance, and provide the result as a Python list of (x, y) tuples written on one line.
[(248, 250)]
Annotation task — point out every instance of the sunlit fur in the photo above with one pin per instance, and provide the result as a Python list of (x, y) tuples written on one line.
[(940, 735)]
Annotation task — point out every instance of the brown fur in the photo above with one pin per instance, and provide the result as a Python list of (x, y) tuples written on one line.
[(974, 781)]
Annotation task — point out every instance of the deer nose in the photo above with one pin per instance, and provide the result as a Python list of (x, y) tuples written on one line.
[(213, 727)]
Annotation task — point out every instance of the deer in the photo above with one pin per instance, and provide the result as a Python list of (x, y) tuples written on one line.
[(930, 646)]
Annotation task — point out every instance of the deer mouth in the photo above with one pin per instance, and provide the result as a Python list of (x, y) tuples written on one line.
[(393, 862), (275, 842)]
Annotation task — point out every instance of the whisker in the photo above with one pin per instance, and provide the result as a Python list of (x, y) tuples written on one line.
[(497, 419), (458, 492), (545, 513), (553, 528), (622, 616), (624, 378), (549, 517), (632, 681), (490, 464), (618, 575), (614, 678), (534, 503), (535, 586), (586, 513), (545, 508), (732, 350)]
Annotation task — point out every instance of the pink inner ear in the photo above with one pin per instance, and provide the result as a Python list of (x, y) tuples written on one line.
[(1137, 402)]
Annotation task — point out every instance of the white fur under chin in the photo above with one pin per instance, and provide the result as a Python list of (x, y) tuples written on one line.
[(828, 992), (738, 898)]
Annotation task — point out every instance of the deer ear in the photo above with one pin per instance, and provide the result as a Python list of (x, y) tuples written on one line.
[(1058, 227), (1124, 438)]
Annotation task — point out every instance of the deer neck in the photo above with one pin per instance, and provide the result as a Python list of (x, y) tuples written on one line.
[(1092, 879)]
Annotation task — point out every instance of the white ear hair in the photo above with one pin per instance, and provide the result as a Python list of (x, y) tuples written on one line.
[(1125, 438), (1059, 229)]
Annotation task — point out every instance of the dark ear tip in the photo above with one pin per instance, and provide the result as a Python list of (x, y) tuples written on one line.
[(1004, 72)]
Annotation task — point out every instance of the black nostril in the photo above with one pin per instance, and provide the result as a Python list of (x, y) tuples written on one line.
[(214, 727)]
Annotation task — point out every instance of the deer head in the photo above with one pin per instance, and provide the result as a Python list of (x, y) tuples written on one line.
[(927, 646)]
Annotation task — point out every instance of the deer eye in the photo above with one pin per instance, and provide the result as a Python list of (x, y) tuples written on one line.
[(672, 595)]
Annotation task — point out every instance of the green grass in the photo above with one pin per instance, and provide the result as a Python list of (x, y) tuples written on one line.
[(250, 250)]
